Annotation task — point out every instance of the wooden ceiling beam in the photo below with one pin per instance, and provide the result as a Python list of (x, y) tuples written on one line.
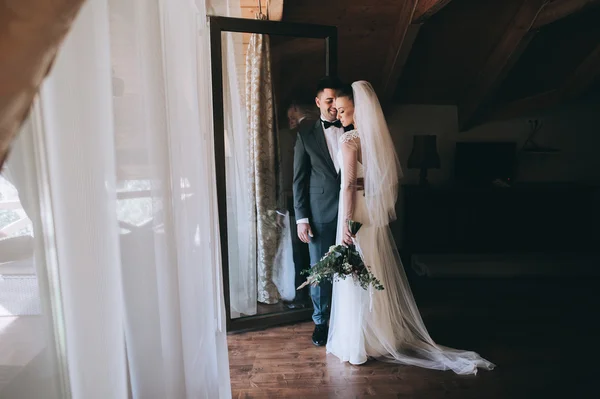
[(522, 106), (502, 59), (573, 87), (559, 9), (399, 49), (583, 77), (426, 8)]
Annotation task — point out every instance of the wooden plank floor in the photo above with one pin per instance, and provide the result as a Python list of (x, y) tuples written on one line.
[(541, 334)]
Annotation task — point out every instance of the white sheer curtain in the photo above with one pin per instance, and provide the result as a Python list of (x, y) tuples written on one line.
[(174, 324), (31, 326), (76, 102), (127, 142), (175, 330)]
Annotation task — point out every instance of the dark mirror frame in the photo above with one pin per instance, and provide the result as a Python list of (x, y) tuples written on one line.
[(218, 25)]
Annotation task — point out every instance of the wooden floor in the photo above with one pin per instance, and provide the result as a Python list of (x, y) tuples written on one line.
[(541, 334)]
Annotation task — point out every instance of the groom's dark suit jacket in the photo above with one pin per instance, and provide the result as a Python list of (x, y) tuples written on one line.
[(316, 182)]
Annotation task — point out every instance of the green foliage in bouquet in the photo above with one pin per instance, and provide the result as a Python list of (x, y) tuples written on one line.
[(342, 261)]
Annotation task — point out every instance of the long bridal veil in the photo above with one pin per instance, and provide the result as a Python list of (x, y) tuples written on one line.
[(395, 331)]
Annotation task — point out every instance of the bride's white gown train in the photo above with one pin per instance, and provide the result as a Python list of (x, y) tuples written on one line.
[(385, 325)]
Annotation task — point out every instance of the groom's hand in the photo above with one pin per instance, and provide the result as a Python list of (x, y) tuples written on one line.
[(304, 232)]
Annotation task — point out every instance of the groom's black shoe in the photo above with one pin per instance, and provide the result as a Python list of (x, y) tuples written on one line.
[(319, 336)]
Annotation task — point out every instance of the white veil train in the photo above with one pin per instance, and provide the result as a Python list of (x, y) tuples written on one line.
[(395, 331)]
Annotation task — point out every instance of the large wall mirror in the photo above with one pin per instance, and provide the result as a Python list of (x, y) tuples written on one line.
[(261, 90)]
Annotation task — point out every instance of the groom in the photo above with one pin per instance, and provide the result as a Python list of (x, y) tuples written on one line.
[(316, 192)]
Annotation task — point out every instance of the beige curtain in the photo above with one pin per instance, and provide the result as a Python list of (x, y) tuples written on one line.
[(263, 159)]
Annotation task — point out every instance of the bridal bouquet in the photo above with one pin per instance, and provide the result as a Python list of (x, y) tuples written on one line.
[(342, 261)]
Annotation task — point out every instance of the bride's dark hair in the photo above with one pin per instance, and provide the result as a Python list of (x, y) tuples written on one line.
[(345, 91)]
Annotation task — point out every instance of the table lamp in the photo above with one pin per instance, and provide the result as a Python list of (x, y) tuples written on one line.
[(424, 156)]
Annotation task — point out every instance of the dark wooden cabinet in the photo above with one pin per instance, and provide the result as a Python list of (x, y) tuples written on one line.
[(528, 218)]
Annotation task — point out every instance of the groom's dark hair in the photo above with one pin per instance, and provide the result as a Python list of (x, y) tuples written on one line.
[(345, 91), (328, 82)]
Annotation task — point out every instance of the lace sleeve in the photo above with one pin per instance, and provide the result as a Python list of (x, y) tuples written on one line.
[(350, 148)]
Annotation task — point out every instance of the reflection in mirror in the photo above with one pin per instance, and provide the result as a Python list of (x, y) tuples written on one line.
[(270, 92)]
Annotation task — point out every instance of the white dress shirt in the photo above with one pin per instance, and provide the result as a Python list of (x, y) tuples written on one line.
[(332, 136)]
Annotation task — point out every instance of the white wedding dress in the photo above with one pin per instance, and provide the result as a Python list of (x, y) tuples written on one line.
[(384, 325)]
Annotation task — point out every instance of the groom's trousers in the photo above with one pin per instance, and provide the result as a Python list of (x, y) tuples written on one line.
[(324, 237)]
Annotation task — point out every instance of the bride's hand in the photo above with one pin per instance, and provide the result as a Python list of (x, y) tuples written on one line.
[(347, 236)]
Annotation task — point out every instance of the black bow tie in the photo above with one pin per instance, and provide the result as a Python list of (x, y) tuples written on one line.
[(348, 128), (327, 124)]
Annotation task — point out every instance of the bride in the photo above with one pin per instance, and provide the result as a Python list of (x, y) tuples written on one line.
[(385, 325)]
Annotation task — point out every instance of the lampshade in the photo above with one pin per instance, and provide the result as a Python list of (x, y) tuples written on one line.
[(424, 153)]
